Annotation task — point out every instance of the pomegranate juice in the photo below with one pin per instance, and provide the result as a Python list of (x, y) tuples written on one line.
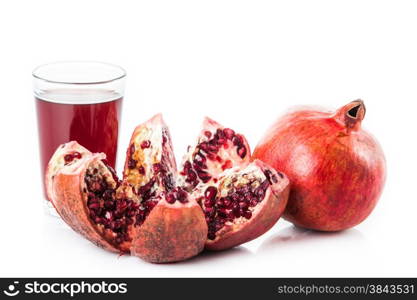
[(93, 125)]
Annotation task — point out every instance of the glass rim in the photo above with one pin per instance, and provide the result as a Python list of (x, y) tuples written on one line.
[(39, 77)]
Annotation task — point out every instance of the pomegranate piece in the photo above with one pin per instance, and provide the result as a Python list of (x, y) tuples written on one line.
[(152, 223), (337, 170), (89, 197), (217, 149), (174, 230), (150, 165), (170, 230), (243, 204)]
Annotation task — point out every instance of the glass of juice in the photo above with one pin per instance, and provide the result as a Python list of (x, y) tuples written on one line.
[(78, 101)]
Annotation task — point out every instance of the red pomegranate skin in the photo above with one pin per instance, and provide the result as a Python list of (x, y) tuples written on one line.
[(337, 170), (65, 192), (170, 233)]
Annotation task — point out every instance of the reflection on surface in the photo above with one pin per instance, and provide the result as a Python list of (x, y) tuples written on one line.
[(292, 235), (219, 256)]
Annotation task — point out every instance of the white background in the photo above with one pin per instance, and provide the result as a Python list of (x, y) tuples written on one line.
[(243, 63)]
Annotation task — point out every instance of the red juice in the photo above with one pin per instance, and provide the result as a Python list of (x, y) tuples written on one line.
[(90, 120)]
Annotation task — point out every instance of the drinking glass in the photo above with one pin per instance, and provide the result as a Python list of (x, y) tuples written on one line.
[(78, 101)]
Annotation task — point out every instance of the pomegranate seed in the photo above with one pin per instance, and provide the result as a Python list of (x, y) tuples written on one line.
[(109, 204), (141, 170), (253, 202), (187, 166), (213, 148), (94, 206), (210, 193), (220, 202), (219, 133), (229, 133), (208, 203), (222, 212), (77, 155), (236, 212), (145, 144), (243, 204), (132, 149), (211, 156), (237, 140), (170, 198), (182, 196), (211, 236), (207, 134), (221, 141), (227, 165), (247, 214), (203, 146), (68, 158), (191, 176), (198, 157), (227, 202), (209, 210), (131, 164), (204, 176), (241, 151), (157, 167)]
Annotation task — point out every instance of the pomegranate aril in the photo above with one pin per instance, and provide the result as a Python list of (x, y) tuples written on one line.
[(211, 236), (207, 134), (208, 203), (156, 167), (243, 204), (145, 144), (132, 149), (236, 212), (241, 151), (227, 203), (108, 194), (68, 158), (131, 163), (210, 193), (191, 176), (227, 165), (247, 214), (229, 133), (204, 176), (94, 205), (141, 170)]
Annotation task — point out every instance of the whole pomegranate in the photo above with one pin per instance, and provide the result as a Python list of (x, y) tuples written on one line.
[(336, 169)]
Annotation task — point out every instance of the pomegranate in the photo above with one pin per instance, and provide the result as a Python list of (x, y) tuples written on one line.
[(336, 169), (150, 162), (241, 201), (88, 196), (243, 204), (217, 149), (155, 215), (149, 217), (170, 230)]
